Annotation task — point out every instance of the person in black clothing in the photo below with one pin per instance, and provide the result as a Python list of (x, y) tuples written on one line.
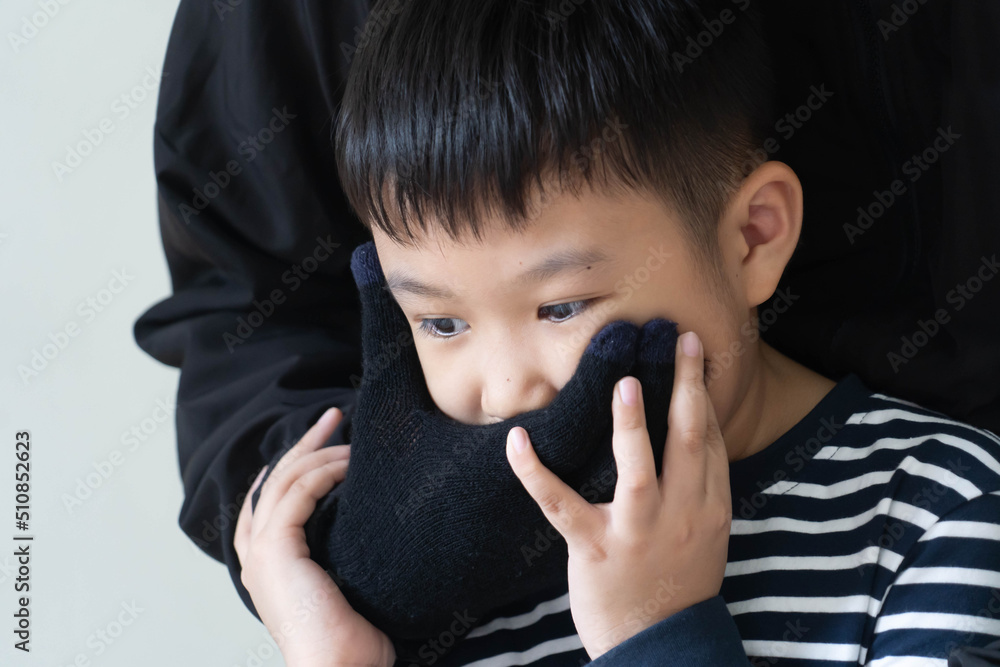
[(892, 279)]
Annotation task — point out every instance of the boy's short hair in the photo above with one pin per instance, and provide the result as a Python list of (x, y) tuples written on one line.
[(457, 108)]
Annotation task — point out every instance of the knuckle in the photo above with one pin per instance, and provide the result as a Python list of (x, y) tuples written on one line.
[(552, 504), (636, 548), (631, 419), (596, 547), (695, 444), (694, 383), (299, 486), (690, 437), (684, 531), (632, 481), (724, 518)]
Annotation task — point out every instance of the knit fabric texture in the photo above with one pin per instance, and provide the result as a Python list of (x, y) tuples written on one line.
[(431, 524)]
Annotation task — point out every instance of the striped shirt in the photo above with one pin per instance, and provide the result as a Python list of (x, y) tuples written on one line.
[(867, 534)]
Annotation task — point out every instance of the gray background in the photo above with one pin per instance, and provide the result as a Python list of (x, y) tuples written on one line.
[(62, 238)]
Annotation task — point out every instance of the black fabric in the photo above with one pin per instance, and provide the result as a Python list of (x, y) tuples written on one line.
[(859, 298), (431, 524), (969, 656), (233, 69)]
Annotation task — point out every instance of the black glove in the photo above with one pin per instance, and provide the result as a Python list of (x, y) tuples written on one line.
[(431, 522)]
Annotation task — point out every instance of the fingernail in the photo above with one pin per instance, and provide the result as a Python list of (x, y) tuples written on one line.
[(691, 345), (328, 415), (517, 438), (628, 390), (258, 477)]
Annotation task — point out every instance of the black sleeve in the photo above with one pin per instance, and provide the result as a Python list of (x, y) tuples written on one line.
[(264, 319)]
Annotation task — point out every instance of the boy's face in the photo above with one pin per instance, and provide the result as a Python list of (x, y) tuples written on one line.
[(511, 338)]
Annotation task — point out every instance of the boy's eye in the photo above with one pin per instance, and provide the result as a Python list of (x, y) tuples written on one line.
[(446, 328), (564, 311), (434, 328)]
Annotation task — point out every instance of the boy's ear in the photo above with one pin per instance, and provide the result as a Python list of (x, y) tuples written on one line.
[(761, 229)]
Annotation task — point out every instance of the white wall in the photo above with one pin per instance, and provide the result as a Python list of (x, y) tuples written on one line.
[(61, 241)]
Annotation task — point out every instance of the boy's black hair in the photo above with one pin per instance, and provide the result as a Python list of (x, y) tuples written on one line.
[(457, 108)]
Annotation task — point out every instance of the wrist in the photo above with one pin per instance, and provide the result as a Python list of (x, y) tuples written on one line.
[(387, 658), (337, 662)]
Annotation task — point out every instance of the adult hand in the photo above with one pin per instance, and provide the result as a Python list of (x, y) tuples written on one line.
[(661, 541), (297, 600)]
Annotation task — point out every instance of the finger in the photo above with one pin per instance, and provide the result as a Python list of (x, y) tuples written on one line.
[(292, 464), (607, 357), (245, 519), (312, 440), (273, 492), (685, 461), (576, 519), (636, 503), (298, 504)]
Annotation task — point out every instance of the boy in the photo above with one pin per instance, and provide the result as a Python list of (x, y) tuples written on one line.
[(863, 527)]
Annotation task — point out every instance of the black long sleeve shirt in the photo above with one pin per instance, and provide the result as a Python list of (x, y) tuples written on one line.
[(264, 318)]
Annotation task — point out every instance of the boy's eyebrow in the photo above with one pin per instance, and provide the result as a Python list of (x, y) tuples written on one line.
[(400, 282)]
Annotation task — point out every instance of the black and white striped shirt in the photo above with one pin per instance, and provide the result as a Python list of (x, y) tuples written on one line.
[(868, 534)]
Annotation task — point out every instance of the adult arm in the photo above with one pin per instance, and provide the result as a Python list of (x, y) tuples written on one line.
[(264, 318)]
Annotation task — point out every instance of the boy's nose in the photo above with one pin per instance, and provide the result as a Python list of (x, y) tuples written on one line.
[(512, 388)]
